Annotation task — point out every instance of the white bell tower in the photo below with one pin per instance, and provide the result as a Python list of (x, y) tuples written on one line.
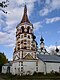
[(25, 39)]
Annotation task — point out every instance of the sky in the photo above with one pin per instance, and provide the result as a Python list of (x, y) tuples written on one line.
[(43, 14)]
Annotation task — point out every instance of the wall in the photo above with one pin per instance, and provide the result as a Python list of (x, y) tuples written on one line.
[(4, 69), (29, 66), (52, 66), (41, 66), (47, 67), (15, 67)]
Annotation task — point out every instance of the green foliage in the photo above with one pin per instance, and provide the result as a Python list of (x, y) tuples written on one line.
[(38, 74), (3, 60), (3, 4)]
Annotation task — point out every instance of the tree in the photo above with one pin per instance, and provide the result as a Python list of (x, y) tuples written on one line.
[(3, 60), (3, 4)]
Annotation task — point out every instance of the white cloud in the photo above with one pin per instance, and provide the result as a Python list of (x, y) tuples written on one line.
[(15, 11), (50, 5), (37, 25), (51, 49), (55, 4), (25, 1), (3, 37), (44, 12), (7, 39), (51, 20)]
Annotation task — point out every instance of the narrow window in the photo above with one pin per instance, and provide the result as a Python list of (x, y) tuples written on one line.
[(22, 69), (22, 28), (25, 40), (28, 47), (36, 68), (29, 42), (29, 36), (25, 47), (25, 35), (28, 29), (18, 48), (22, 42), (21, 63), (21, 36)]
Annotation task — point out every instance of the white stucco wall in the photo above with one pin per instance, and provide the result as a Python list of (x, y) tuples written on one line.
[(4, 69), (28, 66), (41, 66), (47, 67), (15, 67), (52, 66)]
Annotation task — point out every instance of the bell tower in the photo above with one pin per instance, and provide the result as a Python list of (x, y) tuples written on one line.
[(25, 39)]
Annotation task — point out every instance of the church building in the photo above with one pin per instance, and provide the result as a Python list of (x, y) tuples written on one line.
[(24, 56), (27, 58)]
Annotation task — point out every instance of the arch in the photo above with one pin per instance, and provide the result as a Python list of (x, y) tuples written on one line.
[(28, 28), (22, 28)]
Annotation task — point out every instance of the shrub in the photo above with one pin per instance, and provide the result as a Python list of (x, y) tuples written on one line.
[(56, 73)]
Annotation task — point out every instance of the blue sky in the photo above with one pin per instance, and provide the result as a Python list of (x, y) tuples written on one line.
[(43, 14)]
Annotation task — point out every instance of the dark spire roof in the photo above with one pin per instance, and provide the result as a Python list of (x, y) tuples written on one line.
[(41, 39), (57, 50), (25, 17)]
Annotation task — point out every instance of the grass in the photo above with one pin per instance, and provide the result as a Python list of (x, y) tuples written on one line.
[(35, 76)]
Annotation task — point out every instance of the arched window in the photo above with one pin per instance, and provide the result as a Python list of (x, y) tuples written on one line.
[(28, 29), (18, 48), (22, 42), (25, 35), (21, 36), (29, 36), (21, 63), (22, 28)]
